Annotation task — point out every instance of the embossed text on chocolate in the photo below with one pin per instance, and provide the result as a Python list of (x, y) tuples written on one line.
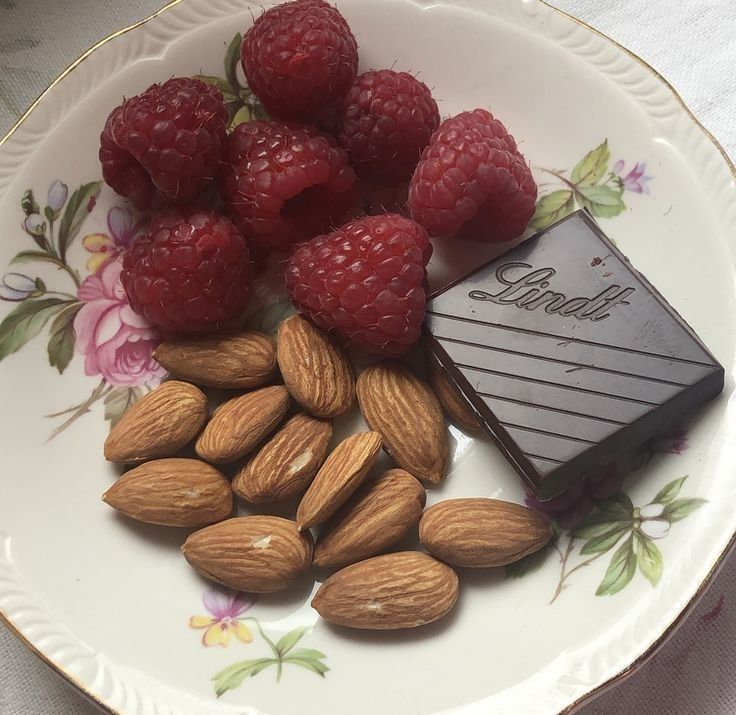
[(525, 287)]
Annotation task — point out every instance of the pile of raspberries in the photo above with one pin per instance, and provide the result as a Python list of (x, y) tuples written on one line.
[(301, 186)]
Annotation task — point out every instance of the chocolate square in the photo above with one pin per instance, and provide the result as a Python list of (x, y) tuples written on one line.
[(570, 357)]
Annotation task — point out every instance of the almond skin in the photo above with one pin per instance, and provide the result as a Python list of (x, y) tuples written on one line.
[(378, 515), (172, 492), (479, 533), (389, 592), (287, 463), (338, 478), (315, 370), (239, 360), (454, 404), (239, 425), (159, 424), (256, 554), (405, 411)]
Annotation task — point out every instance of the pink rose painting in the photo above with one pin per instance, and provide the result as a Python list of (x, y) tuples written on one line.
[(87, 318), (116, 342)]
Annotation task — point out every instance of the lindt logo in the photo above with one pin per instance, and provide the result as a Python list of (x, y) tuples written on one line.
[(527, 290)]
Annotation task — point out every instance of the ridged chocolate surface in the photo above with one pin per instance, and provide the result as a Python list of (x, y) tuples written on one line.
[(568, 354)]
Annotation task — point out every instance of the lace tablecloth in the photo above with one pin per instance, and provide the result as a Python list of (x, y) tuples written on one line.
[(691, 42)]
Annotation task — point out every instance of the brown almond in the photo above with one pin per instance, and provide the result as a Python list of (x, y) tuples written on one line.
[(455, 405), (377, 516), (338, 478), (405, 411), (315, 370), (256, 554), (239, 425), (239, 360), (389, 592), (287, 463), (481, 532), (159, 424), (172, 492)]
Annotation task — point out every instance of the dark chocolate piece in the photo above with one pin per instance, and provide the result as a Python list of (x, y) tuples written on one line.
[(569, 356)]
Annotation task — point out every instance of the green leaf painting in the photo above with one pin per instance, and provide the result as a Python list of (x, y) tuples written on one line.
[(649, 559), (79, 205), (553, 207), (592, 167), (283, 654), (61, 338), (26, 322), (620, 570), (616, 526), (668, 493), (601, 201), (680, 508), (592, 184)]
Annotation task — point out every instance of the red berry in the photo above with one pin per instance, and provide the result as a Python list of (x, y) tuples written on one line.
[(385, 121), (190, 273), (366, 281), (283, 183), (165, 144), (300, 58), (472, 181)]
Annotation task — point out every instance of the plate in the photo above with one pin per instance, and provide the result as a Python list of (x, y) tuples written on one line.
[(113, 606)]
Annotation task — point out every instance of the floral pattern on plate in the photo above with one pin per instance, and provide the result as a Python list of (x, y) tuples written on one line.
[(597, 515), (226, 618), (590, 185), (89, 315)]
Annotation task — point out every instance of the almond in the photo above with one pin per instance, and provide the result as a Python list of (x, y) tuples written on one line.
[(482, 532), (257, 554), (405, 411), (338, 478), (239, 425), (315, 370), (287, 463), (239, 360), (385, 593), (378, 515), (159, 424), (172, 492), (455, 405)]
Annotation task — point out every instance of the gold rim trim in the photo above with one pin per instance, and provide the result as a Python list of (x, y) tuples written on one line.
[(79, 61), (83, 690)]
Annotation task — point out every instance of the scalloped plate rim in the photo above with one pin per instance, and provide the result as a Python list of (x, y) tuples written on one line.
[(48, 95)]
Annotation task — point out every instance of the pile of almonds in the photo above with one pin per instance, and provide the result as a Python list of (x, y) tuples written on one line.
[(275, 459)]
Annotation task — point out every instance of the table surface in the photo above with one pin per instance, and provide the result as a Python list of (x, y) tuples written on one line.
[(691, 43)]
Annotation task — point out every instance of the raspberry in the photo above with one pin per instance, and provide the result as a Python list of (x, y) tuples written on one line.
[(190, 273), (164, 145), (386, 120), (366, 281), (283, 183), (472, 181), (300, 58)]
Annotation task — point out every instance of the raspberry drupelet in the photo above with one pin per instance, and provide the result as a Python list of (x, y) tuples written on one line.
[(472, 181), (283, 183), (164, 145), (366, 281), (385, 121), (300, 58), (190, 273)]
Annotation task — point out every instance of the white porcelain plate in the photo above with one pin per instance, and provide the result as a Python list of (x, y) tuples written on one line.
[(115, 607)]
